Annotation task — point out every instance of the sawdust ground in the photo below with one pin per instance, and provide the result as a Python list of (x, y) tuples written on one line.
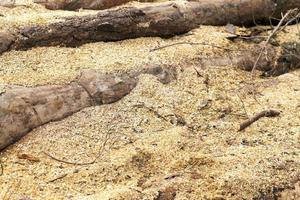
[(145, 155), (37, 66)]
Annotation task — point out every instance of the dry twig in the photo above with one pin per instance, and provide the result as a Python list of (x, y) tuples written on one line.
[(83, 163), (273, 33), (266, 113), (61, 176), (197, 71), (190, 43), (68, 162), (1, 168), (57, 178), (264, 47), (243, 105), (151, 109)]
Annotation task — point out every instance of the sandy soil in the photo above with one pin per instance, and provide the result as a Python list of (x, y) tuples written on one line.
[(175, 141)]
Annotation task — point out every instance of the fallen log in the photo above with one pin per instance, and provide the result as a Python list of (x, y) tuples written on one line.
[(163, 20), (85, 4), (22, 109)]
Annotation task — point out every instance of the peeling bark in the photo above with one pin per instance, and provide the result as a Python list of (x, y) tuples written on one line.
[(163, 20), (22, 109)]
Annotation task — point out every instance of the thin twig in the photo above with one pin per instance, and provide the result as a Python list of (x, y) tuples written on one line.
[(57, 178), (1, 168), (295, 18), (243, 105), (266, 113), (289, 53), (264, 48), (155, 112), (61, 176), (84, 163), (277, 28), (197, 71), (190, 43), (68, 162)]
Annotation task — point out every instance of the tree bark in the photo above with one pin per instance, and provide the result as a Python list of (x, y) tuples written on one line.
[(162, 19), (22, 109), (85, 4), (7, 3)]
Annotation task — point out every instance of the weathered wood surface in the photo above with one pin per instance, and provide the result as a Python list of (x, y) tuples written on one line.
[(22, 109), (7, 3), (163, 20), (85, 4)]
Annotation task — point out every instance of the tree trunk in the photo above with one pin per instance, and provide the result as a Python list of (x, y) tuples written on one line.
[(163, 19), (22, 109)]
